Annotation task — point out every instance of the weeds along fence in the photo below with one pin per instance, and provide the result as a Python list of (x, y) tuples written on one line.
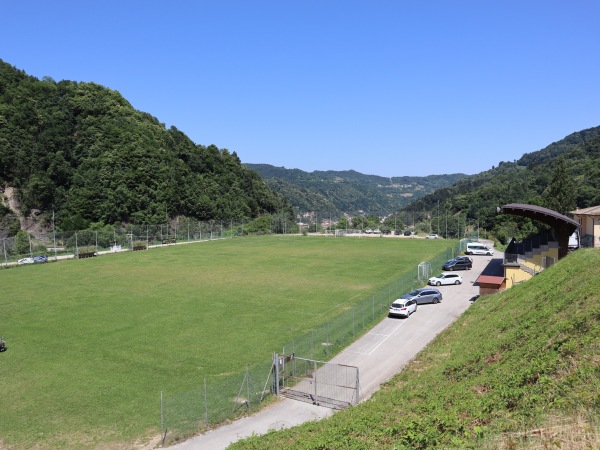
[(218, 399), (83, 243)]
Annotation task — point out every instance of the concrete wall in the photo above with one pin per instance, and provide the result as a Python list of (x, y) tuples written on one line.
[(515, 275)]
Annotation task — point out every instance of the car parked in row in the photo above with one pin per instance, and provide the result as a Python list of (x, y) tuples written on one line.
[(424, 295), (402, 307), (464, 258), (34, 259), (458, 264), (445, 278), (477, 248), (432, 236)]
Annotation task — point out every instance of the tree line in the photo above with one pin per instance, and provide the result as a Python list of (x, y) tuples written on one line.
[(82, 150), (562, 177)]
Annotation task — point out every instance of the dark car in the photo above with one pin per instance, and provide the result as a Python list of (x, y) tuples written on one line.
[(424, 295), (458, 264), (40, 259), (464, 258), (407, 233)]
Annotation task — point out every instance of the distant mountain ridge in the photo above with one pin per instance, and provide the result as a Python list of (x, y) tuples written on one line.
[(349, 191)]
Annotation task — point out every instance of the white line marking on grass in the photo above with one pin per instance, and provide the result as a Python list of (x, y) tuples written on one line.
[(330, 309)]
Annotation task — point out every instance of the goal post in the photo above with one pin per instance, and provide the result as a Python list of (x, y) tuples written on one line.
[(424, 271)]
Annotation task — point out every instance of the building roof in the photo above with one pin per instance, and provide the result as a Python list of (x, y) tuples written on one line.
[(562, 225), (538, 213), (591, 211), (488, 279)]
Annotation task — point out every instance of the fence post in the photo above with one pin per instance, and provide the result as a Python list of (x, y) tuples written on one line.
[(315, 378), (247, 388), (162, 420), (276, 369), (205, 404)]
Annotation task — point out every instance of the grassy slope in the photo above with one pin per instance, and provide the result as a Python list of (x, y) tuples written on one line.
[(509, 364), (92, 343)]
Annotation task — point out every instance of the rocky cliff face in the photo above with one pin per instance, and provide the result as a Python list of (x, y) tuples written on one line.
[(12, 219)]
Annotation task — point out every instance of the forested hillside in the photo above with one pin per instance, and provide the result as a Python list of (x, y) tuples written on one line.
[(349, 191), (563, 176), (84, 151)]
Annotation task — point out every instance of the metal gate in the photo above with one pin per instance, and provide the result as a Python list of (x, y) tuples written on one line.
[(320, 383)]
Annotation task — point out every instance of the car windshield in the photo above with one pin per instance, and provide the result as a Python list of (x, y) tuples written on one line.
[(413, 293), (441, 275)]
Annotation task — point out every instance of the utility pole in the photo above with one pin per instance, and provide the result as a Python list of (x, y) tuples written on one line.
[(54, 233)]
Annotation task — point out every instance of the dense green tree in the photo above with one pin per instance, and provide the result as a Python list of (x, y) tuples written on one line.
[(560, 193), (539, 178), (82, 149)]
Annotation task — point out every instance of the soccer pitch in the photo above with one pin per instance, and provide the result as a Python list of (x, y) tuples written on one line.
[(91, 343)]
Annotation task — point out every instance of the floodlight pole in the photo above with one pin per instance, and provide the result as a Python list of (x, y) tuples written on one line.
[(54, 234), (438, 216)]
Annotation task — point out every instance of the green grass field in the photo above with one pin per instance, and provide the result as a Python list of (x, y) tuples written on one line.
[(91, 343)]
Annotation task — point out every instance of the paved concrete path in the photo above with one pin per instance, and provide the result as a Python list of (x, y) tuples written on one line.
[(379, 355)]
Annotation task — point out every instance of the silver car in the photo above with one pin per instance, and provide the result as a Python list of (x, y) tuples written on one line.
[(424, 295)]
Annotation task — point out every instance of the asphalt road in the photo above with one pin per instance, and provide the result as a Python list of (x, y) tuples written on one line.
[(379, 355)]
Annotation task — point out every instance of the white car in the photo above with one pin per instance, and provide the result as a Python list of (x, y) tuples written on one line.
[(26, 261), (403, 307), (445, 278), (432, 236)]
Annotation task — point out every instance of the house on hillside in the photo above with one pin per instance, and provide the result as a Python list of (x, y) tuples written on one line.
[(589, 221)]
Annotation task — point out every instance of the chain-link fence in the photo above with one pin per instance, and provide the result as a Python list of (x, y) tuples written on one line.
[(57, 244), (218, 399), (215, 400)]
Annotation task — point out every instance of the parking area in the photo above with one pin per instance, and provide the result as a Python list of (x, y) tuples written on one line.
[(392, 343), (379, 355)]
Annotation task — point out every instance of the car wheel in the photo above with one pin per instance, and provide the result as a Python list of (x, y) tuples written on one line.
[(436, 300), (457, 282), (439, 283)]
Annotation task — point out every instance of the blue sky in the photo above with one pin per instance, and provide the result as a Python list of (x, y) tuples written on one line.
[(386, 88)]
